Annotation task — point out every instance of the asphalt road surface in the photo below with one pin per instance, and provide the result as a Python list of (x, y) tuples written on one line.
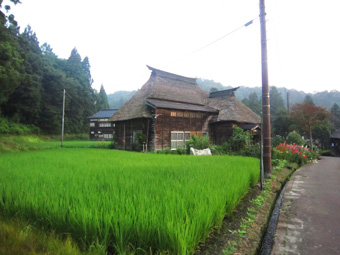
[(309, 221)]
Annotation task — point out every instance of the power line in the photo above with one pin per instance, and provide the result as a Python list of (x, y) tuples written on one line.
[(75, 101), (207, 45), (215, 41)]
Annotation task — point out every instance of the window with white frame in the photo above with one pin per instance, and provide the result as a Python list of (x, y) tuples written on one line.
[(92, 124), (108, 136), (178, 139), (105, 124)]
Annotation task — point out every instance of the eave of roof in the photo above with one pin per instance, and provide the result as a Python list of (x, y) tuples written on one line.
[(164, 104)]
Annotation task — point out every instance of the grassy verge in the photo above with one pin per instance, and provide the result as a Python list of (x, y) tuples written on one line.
[(20, 237), (25, 143)]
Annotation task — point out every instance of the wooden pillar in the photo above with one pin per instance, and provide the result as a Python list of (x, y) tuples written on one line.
[(124, 137)]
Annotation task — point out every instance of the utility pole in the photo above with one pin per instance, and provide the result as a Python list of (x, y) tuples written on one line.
[(267, 157), (62, 121)]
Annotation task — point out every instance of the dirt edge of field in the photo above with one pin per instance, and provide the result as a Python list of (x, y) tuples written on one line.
[(219, 240)]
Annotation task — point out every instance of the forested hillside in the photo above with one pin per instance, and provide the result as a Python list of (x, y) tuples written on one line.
[(117, 99), (32, 79), (325, 99)]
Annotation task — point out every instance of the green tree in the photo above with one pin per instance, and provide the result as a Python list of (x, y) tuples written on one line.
[(53, 82), (11, 60), (102, 102), (281, 123), (25, 101), (81, 96), (335, 116), (322, 132), (309, 100), (276, 102), (253, 103), (308, 116)]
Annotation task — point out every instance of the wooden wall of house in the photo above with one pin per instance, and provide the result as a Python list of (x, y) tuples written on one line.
[(221, 131), (124, 131), (101, 133), (184, 121)]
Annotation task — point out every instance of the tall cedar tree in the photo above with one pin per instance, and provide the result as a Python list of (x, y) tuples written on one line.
[(253, 103), (81, 97), (25, 102), (335, 116), (308, 116), (102, 102), (276, 102), (11, 57)]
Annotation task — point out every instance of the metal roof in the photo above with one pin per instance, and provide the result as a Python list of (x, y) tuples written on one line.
[(103, 114)]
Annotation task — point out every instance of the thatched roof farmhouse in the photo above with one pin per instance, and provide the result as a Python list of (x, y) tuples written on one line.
[(170, 108)]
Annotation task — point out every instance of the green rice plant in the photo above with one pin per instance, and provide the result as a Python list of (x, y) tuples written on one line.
[(127, 202)]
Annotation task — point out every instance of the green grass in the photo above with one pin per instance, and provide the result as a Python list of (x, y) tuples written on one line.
[(127, 202), (25, 143), (20, 237)]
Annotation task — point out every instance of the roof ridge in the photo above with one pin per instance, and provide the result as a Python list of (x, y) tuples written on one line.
[(173, 76), (175, 101), (222, 93)]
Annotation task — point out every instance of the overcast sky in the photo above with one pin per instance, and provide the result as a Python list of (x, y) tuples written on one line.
[(122, 37)]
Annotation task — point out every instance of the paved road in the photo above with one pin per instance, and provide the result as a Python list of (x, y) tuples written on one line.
[(309, 221)]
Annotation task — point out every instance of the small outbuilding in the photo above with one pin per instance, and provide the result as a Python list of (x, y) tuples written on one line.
[(335, 143), (101, 128)]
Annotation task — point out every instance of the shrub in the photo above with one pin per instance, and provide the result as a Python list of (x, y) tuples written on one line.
[(240, 143), (276, 140), (8, 127), (240, 139), (326, 153), (295, 137), (198, 142)]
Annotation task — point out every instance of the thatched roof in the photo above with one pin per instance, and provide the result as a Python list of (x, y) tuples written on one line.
[(230, 108), (336, 134), (156, 103), (170, 88), (172, 91)]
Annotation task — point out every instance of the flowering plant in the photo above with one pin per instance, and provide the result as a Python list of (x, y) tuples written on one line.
[(293, 153)]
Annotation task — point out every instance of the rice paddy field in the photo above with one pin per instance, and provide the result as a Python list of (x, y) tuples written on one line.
[(123, 201)]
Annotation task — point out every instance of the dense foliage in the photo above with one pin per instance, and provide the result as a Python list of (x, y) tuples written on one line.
[(128, 202), (240, 143), (32, 79)]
